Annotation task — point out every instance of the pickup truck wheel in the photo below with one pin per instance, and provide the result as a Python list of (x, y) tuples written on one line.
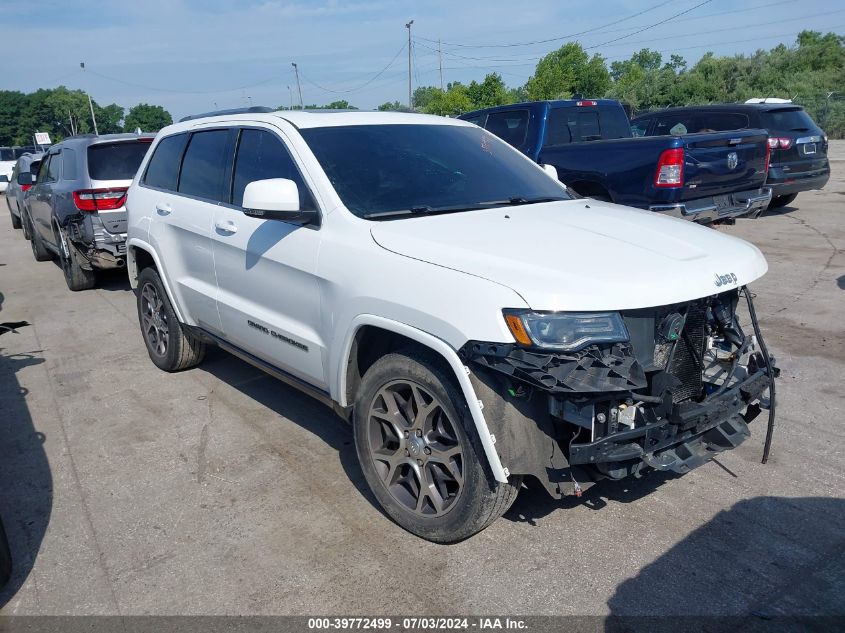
[(170, 347), (782, 201), (39, 251), (76, 277), (420, 453)]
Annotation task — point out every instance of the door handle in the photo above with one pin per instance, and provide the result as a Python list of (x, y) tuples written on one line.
[(226, 226), (163, 208)]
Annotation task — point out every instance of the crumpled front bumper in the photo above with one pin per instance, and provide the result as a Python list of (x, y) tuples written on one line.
[(703, 430), (706, 210)]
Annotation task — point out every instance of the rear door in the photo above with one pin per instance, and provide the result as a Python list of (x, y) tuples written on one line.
[(181, 187), (269, 296)]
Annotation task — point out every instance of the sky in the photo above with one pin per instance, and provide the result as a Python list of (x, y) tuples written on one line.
[(193, 56)]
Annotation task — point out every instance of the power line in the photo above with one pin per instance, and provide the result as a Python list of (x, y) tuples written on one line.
[(186, 92), (622, 37), (552, 39), (362, 86)]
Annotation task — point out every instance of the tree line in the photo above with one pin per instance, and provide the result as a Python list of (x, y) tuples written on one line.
[(63, 112), (812, 73)]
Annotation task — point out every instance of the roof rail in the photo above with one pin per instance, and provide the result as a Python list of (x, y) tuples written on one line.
[(251, 109)]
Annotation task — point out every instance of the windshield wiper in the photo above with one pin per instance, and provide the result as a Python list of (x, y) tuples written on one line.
[(429, 210), (518, 200)]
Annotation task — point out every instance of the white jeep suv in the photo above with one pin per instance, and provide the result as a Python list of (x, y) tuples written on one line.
[(475, 321)]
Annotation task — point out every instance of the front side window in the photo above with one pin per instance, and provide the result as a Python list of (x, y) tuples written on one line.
[(510, 126), (262, 155), (163, 168), (54, 169), (204, 165), (379, 169)]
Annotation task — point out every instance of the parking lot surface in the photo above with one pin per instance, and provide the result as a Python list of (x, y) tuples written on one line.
[(126, 490)]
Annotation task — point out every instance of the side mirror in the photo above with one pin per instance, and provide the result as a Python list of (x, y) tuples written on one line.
[(4, 178), (551, 170), (25, 178), (275, 199)]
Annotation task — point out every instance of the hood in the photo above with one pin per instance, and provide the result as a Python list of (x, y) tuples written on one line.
[(580, 254)]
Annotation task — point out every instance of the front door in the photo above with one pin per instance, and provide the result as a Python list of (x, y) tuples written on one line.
[(268, 294)]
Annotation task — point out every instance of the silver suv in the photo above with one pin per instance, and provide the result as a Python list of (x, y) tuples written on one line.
[(75, 209)]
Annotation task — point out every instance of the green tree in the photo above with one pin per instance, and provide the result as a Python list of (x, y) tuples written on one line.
[(450, 102), (12, 106), (567, 71), (394, 106), (423, 96), (150, 118), (109, 118), (490, 92)]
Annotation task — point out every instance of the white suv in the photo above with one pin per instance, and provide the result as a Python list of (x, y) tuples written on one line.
[(473, 320)]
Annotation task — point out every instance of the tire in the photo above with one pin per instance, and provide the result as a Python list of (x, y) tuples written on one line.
[(394, 456), (16, 221), (25, 226), (76, 277), (39, 251), (781, 201), (169, 345)]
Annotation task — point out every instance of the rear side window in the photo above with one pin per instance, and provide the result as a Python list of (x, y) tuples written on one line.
[(676, 125), (722, 121), (510, 126), (163, 168), (262, 155), (204, 165), (115, 161), (577, 125), (69, 164), (639, 128), (787, 120)]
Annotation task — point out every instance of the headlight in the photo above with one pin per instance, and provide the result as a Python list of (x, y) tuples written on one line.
[(567, 331)]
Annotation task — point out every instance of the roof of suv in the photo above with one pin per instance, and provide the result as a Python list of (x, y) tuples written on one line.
[(726, 107), (85, 140), (329, 118)]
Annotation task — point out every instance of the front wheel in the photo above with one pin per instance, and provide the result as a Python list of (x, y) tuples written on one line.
[(170, 346), (420, 453)]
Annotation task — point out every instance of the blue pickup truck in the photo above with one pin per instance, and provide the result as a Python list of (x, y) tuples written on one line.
[(704, 177)]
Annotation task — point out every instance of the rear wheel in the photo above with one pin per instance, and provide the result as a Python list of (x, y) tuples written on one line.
[(39, 251), (170, 346), (16, 221), (782, 201), (76, 277), (420, 453)]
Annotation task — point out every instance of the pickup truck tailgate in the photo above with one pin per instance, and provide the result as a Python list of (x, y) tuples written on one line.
[(724, 162)]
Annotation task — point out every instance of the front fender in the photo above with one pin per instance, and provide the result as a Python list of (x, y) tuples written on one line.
[(132, 270)]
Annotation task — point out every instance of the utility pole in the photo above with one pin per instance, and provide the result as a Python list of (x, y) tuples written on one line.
[(440, 63), (90, 104), (298, 85), (290, 95), (410, 94)]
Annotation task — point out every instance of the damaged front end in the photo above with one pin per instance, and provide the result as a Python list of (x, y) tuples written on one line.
[(680, 388)]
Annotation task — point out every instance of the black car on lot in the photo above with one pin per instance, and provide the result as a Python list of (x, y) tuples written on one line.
[(799, 146)]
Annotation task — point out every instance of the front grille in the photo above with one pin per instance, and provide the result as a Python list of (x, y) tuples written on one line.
[(684, 364)]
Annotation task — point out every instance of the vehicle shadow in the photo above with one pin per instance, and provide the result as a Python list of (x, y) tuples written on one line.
[(26, 482), (778, 211), (764, 561), (535, 503), (292, 405)]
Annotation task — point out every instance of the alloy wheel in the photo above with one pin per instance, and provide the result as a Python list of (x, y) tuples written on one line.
[(415, 448), (154, 321)]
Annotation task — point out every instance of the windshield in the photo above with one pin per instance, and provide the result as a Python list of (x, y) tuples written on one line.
[(379, 169)]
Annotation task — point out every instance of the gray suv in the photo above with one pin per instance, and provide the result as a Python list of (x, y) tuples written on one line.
[(75, 210), (26, 169)]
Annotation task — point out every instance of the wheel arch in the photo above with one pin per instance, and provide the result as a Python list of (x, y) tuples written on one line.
[(140, 255), (370, 336)]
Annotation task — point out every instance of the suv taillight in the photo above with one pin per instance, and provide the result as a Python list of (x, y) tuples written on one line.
[(780, 142), (99, 199), (26, 188), (670, 168)]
